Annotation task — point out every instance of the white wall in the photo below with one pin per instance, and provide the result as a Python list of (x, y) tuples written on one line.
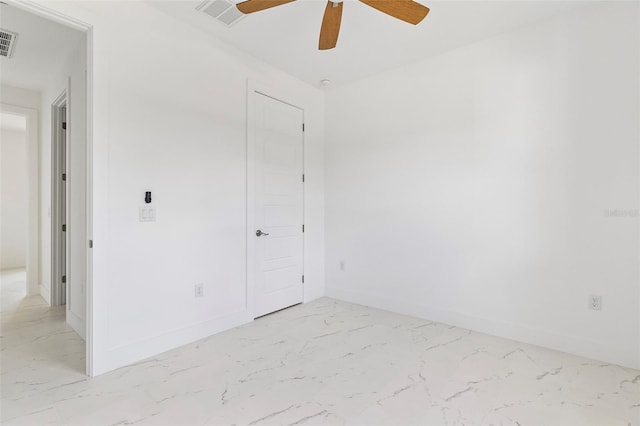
[(14, 199), (471, 188), (76, 190), (169, 116), (20, 97)]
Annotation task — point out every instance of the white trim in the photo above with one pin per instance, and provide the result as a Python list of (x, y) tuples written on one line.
[(49, 14), (513, 331), (134, 352), (74, 321), (250, 220), (33, 207), (638, 246), (88, 310), (255, 86), (67, 209), (45, 293)]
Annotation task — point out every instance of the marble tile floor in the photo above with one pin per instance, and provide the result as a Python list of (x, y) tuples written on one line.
[(37, 347), (323, 363)]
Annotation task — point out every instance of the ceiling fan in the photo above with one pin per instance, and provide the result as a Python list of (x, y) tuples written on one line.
[(405, 10)]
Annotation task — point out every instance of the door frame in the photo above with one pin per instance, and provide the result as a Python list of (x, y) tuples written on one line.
[(33, 202), (261, 88), (60, 18), (59, 211)]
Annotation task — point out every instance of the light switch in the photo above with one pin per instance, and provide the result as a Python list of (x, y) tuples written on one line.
[(147, 214)]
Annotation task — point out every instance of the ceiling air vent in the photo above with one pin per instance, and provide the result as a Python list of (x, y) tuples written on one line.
[(7, 43), (224, 11)]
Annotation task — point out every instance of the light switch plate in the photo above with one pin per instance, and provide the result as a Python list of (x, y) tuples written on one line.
[(147, 214)]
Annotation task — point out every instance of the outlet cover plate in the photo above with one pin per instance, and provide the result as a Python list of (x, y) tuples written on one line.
[(595, 302), (199, 290)]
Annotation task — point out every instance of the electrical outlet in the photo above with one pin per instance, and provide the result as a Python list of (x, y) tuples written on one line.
[(595, 302), (342, 265), (199, 290)]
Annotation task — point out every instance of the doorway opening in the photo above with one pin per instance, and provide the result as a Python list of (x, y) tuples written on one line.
[(14, 205), (53, 90), (20, 230)]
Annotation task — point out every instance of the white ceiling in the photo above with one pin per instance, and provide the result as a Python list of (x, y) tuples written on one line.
[(370, 42), (41, 49), (13, 122)]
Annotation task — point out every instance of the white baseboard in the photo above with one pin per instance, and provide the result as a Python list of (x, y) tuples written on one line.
[(518, 332), (46, 294), (77, 323), (131, 353), (33, 289)]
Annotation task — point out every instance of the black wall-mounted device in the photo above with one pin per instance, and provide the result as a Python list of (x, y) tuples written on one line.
[(147, 197)]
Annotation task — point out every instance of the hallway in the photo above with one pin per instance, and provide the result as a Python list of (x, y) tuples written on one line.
[(38, 347)]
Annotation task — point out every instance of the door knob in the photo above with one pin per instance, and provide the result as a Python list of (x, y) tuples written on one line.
[(259, 233)]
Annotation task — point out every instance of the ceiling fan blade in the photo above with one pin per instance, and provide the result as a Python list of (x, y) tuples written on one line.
[(405, 10), (251, 6), (330, 26)]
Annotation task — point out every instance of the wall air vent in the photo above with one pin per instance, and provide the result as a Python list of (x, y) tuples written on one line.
[(7, 43), (224, 11)]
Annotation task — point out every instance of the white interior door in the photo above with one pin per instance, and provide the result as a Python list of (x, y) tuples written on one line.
[(59, 202), (64, 206), (277, 148)]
